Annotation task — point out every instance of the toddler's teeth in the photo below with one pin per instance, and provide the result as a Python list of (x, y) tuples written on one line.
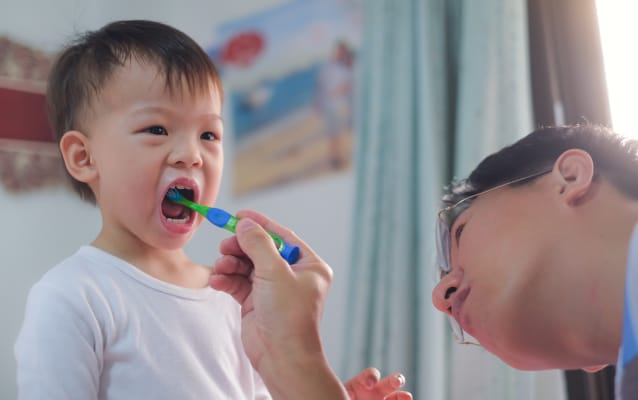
[(177, 221)]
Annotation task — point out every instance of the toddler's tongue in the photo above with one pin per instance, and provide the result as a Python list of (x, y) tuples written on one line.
[(172, 210)]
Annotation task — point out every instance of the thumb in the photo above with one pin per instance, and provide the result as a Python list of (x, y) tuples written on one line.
[(257, 244)]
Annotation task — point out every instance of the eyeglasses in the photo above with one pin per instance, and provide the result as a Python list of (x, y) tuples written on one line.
[(445, 220)]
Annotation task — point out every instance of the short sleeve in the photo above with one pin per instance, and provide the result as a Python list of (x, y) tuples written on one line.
[(56, 348)]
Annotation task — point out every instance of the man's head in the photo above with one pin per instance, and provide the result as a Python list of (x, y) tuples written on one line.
[(614, 156), (87, 65), (527, 251)]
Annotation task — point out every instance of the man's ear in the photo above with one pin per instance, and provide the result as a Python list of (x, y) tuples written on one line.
[(76, 153), (576, 170)]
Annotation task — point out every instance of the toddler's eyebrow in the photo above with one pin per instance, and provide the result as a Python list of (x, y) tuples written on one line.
[(152, 109)]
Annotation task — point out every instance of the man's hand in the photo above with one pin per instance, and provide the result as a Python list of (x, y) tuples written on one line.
[(281, 308), (368, 385)]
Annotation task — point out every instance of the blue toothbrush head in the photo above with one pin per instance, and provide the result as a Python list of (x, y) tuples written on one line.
[(174, 195)]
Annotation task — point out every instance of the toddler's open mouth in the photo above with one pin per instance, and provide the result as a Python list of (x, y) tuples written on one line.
[(177, 213)]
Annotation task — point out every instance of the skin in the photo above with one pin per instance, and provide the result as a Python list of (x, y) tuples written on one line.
[(281, 310), (136, 141), (138, 138), (532, 264)]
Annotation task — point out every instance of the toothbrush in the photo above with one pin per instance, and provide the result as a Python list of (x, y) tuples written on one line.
[(225, 220)]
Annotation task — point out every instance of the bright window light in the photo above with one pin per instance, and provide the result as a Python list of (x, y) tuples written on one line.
[(618, 22)]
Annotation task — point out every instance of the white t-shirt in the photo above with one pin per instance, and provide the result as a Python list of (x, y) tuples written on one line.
[(96, 327)]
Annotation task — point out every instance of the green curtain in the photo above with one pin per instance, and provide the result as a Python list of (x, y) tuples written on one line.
[(400, 168), (443, 83)]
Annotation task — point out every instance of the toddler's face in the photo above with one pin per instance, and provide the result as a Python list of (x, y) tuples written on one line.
[(145, 140)]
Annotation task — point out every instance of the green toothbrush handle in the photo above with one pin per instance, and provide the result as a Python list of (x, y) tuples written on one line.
[(227, 221)]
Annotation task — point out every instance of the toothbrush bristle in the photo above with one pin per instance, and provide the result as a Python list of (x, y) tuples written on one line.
[(174, 195)]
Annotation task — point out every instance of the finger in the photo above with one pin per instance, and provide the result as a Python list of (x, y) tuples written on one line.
[(390, 383), (230, 246), (286, 234), (230, 265), (399, 396), (238, 286), (233, 276), (370, 377), (363, 381), (258, 246)]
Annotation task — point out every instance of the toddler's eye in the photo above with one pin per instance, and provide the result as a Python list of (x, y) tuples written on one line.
[(156, 130), (208, 136)]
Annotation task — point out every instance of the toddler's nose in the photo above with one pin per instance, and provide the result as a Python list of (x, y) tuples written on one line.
[(186, 154)]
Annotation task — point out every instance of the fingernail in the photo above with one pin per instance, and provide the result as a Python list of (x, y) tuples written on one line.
[(371, 381), (245, 224), (400, 380)]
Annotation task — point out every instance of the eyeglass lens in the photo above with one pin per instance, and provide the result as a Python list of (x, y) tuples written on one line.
[(443, 263)]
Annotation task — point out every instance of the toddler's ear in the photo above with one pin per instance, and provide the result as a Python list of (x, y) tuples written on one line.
[(76, 153)]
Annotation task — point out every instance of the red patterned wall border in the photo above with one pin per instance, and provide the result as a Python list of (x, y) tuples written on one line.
[(29, 165)]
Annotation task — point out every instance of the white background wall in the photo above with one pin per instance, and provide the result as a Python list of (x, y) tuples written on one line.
[(42, 227)]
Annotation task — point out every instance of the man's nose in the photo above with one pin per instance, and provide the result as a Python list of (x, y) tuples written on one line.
[(443, 292)]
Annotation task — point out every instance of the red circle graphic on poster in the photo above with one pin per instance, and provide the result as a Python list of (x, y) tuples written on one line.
[(243, 48)]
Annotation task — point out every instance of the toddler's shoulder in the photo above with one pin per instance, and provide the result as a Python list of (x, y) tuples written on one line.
[(75, 271)]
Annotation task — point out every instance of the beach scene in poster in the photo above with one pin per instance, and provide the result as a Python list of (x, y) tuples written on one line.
[(289, 76)]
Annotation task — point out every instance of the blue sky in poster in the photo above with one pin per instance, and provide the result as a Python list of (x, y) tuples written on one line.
[(294, 21), (286, 95), (298, 37)]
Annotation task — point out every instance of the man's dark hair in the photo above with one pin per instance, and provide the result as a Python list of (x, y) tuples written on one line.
[(615, 157), (86, 64)]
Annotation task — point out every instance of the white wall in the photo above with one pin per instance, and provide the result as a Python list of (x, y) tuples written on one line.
[(42, 227)]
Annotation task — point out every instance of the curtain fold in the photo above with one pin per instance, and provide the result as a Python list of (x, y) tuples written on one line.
[(494, 100), (443, 83), (390, 320)]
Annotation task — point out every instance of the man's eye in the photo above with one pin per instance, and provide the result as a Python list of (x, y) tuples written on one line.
[(208, 136), (458, 232), (156, 130)]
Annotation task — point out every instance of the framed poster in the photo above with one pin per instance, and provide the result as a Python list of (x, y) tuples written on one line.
[(289, 76)]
